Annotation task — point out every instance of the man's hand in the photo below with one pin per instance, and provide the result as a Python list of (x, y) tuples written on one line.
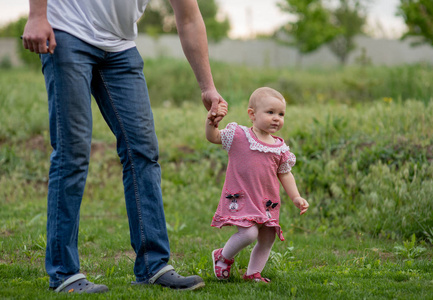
[(221, 113), (36, 34), (212, 101)]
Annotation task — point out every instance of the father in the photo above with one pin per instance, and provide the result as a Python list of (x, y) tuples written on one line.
[(87, 48)]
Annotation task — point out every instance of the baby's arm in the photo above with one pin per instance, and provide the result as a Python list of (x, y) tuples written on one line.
[(212, 132), (289, 185)]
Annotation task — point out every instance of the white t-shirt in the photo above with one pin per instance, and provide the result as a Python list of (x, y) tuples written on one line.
[(107, 24)]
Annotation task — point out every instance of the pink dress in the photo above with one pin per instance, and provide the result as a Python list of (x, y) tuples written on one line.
[(251, 192)]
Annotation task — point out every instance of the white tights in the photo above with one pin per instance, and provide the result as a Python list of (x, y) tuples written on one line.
[(245, 236)]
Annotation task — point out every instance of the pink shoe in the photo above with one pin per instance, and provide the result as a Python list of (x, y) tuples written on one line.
[(220, 273), (256, 277)]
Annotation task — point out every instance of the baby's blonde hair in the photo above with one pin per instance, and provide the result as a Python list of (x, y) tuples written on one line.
[(262, 92)]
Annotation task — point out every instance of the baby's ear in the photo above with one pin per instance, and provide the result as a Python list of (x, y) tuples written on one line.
[(251, 113)]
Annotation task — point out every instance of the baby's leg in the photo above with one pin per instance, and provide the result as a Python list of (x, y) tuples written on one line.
[(261, 251), (238, 241)]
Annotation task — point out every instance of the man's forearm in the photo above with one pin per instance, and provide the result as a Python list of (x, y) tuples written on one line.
[(192, 34), (194, 44), (38, 8)]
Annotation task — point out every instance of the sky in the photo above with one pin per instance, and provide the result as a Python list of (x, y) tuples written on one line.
[(250, 17)]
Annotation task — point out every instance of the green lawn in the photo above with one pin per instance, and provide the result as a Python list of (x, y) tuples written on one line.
[(365, 167)]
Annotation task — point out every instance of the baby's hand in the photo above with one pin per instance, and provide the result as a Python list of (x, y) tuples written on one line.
[(302, 204), (222, 111)]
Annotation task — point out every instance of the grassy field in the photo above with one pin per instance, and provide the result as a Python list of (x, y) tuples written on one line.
[(364, 161)]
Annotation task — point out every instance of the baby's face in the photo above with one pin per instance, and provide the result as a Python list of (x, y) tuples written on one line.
[(269, 114)]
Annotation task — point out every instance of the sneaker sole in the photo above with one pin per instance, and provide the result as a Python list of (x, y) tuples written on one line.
[(194, 287)]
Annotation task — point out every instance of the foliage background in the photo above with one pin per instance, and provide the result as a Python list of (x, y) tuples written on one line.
[(362, 137), (348, 130), (418, 16)]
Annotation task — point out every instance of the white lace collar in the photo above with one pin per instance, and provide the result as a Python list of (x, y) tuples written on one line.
[(255, 144)]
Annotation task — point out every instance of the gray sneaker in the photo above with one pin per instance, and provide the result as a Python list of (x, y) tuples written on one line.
[(168, 277), (79, 284)]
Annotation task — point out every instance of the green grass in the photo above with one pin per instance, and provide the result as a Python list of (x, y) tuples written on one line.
[(171, 81), (365, 166)]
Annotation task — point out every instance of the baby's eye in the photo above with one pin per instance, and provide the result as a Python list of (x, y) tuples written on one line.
[(270, 112), (281, 114)]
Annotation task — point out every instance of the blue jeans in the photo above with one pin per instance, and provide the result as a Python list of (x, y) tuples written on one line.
[(115, 79)]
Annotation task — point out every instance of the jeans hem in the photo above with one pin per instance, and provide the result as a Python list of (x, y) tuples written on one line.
[(55, 284), (145, 280)]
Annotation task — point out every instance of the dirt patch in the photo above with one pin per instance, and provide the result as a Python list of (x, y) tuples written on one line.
[(5, 233), (100, 148), (340, 253), (185, 149), (177, 255), (125, 254), (37, 142)]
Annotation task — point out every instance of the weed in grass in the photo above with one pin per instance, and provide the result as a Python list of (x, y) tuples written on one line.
[(177, 226), (109, 272), (284, 262), (409, 250), (31, 254)]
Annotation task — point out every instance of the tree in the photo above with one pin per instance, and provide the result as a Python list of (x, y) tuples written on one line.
[(418, 16), (216, 29), (348, 20), (312, 27), (317, 25), (159, 19)]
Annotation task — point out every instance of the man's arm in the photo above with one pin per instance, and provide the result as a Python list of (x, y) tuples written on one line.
[(37, 30), (192, 34)]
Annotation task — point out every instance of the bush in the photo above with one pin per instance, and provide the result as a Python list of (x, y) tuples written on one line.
[(5, 63), (367, 169), (397, 200), (173, 81)]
